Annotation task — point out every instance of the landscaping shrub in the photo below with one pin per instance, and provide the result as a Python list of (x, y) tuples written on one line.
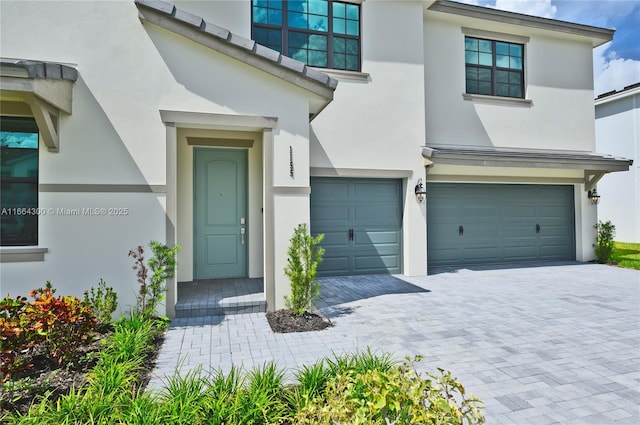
[(103, 301), (604, 240), (398, 395), (304, 257), (153, 275), (56, 325)]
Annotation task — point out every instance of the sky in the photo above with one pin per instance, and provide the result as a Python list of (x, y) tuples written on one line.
[(615, 64)]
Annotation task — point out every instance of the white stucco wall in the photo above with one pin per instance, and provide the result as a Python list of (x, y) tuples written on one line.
[(377, 125), (618, 133), (128, 72), (558, 81)]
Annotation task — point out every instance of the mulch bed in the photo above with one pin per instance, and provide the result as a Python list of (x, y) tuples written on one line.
[(46, 378), (284, 321)]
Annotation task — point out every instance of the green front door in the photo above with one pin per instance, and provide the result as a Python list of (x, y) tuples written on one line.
[(220, 211)]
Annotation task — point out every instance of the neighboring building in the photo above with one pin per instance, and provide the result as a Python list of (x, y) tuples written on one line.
[(618, 132), (167, 122)]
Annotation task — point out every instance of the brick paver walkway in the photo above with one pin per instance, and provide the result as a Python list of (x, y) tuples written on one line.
[(540, 345)]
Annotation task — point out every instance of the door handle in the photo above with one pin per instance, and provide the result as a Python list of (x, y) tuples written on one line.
[(460, 230), (537, 228), (242, 232), (351, 234)]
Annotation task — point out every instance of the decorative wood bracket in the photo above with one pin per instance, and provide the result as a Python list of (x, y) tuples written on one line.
[(46, 117), (591, 178)]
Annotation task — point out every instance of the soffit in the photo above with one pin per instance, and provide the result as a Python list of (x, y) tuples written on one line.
[(596, 35)]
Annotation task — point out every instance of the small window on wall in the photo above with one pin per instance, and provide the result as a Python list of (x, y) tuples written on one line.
[(18, 181), (494, 68)]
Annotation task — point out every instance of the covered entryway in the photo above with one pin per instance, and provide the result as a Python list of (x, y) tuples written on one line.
[(471, 224), (362, 223), (220, 208)]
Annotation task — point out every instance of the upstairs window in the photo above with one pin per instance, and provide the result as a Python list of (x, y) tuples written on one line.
[(320, 33), (494, 68), (18, 182)]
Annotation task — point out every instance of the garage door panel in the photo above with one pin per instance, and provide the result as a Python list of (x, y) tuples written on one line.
[(335, 239), (334, 190), (373, 209), (375, 263), (376, 237), (330, 215), (334, 266), (499, 223)]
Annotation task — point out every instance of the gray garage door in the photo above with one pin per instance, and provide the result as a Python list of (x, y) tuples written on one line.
[(489, 223), (362, 223)]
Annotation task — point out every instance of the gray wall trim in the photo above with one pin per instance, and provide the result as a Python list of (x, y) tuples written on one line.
[(597, 35), (495, 35), (269, 221), (456, 178), (22, 254), (359, 172), (171, 223), (227, 143), (291, 190), (497, 99), (102, 188), (247, 122)]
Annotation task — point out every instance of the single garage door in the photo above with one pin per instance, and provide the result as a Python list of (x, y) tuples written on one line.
[(362, 224), (493, 223)]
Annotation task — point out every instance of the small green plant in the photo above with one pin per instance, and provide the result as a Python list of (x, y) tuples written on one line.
[(103, 300), (398, 395), (152, 276), (304, 257), (604, 241)]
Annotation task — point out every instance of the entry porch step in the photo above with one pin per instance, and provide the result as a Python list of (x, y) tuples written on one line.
[(199, 310), (216, 297)]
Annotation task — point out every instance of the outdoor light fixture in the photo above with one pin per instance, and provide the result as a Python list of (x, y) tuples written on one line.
[(420, 192), (593, 196)]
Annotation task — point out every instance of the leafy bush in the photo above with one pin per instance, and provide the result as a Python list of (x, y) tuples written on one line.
[(604, 240), (152, 276), (56, 325), (103, 301), (17, 337), (398, 395), (304, 257)]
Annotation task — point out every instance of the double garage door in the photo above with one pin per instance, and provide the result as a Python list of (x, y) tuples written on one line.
[(362, 224), (471, 224)]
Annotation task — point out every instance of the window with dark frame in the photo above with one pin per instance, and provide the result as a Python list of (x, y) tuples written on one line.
[(18, 181), (494, 68), (320, 33)]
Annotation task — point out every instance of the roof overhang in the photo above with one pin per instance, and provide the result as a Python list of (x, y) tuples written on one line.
[(167, 16), (597, 35), (45, 88), (594, 165)]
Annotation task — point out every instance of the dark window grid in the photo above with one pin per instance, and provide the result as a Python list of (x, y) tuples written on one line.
[(329, 33), (493, 68), (494, 81)]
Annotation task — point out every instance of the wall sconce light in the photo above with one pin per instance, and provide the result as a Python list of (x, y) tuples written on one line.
[(420, 192), (593, 196)]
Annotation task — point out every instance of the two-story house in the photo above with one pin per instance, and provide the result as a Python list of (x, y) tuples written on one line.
[(413, 134), (618, 132)]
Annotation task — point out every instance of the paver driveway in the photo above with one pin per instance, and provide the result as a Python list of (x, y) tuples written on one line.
[(558, 343)]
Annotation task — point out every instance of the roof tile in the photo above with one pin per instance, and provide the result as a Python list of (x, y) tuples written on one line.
[(188, 18)]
